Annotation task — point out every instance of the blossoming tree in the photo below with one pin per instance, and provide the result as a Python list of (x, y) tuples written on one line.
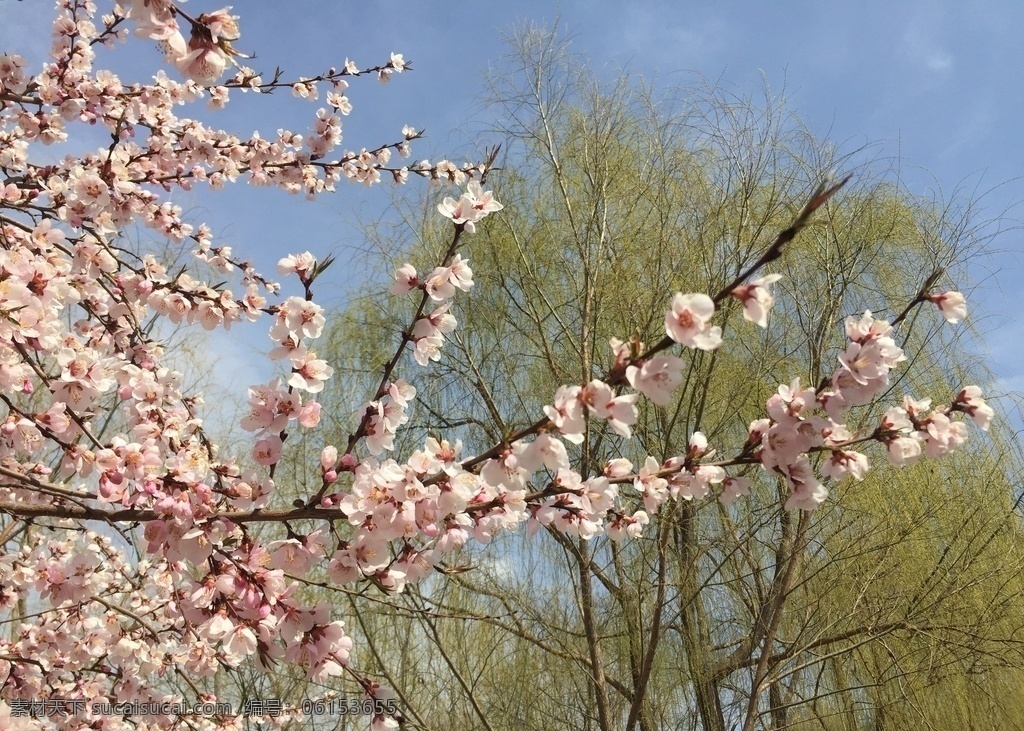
[(877, 607), (135, 553)]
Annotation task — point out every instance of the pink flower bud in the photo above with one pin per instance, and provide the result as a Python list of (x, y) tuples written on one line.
[(328, 458)]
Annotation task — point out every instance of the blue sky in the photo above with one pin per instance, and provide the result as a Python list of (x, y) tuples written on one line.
[(936, 82)]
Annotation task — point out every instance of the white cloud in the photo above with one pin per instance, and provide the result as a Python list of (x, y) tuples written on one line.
[(939, 61), (923, 48)]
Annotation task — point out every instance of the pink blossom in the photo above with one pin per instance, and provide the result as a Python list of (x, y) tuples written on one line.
[(843, 463), (627, 526), (545, 451), (443, 456), (618, 467), (267, 451), (309, 415), (434, 325), (686, 322), (903, 451), (506, 469), (791, 402), (652, 488), (941, 435), (149, 11), (405, 279), (298, 264), (290, 556), (896, 419), (91, 190), (867, 361), (459, 273), (401, 393), (471, 207), (208, 50), (483, 201), (867, 328), (952, 305), (695, 482), (460, 211), (311, 374), (620, 411), (757, 299), (380, 429), (239, 645), (439, 285), (428, 348), (657, 377), (969, 400), (218, 626), (733, 488), (297, 319), (567, 413), (12, 75), (222, 25), (808, 492)]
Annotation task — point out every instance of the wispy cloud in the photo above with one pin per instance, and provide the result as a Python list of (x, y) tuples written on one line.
[(939, 61), (922, 46)]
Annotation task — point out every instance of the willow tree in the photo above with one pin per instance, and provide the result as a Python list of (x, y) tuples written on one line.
[(897, 602)]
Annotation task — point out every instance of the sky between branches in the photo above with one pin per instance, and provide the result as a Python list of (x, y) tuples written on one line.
[(934, 82)]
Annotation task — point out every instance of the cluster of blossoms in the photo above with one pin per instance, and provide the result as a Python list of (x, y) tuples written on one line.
[(383, 417), (99, 428), (439, 288), (801, 421), (208, 52), (97, 424), (471, 207), (804, 420)]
